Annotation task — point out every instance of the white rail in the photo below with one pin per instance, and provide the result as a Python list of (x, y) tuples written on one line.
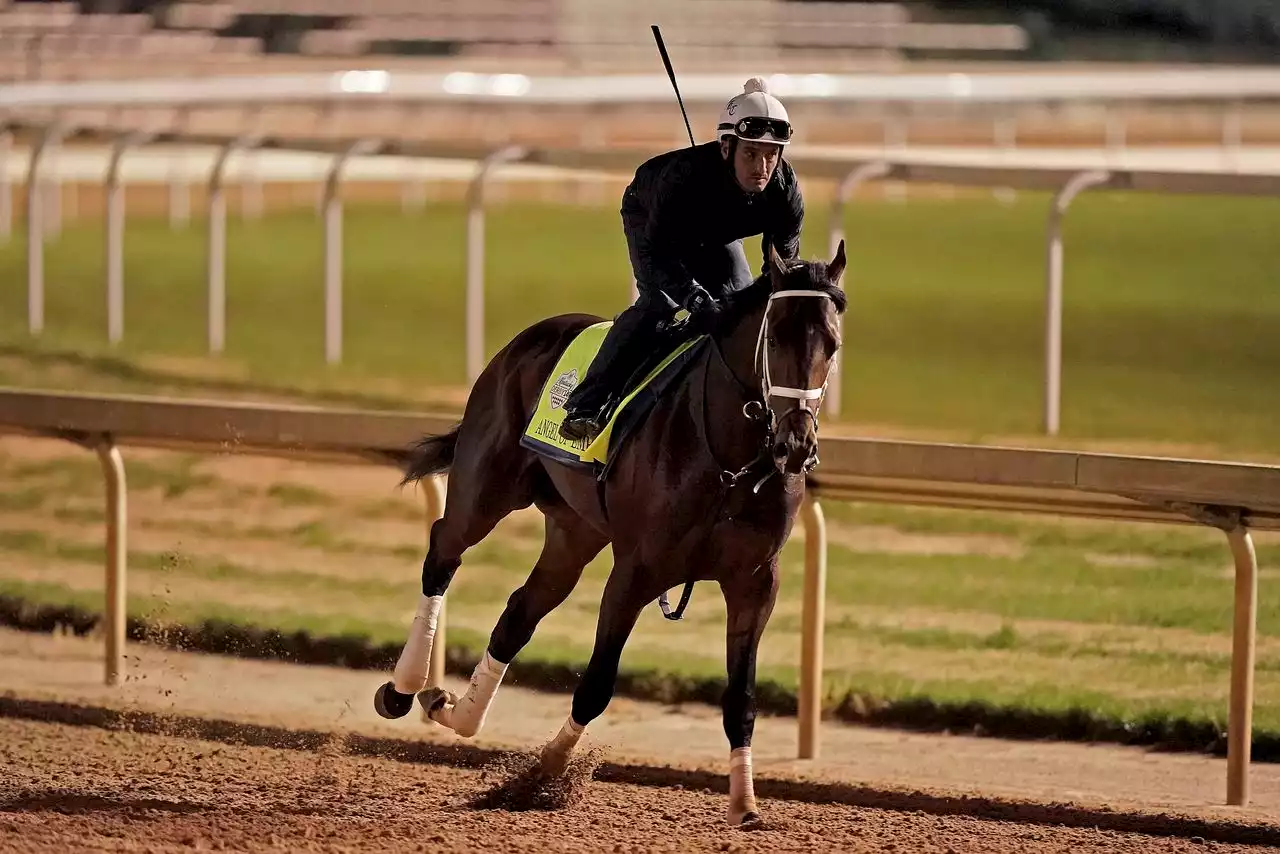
[(1230, 496), (1063, 174), (372, 85)]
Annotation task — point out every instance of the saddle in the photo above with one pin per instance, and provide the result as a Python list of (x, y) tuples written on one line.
[(675, 342)]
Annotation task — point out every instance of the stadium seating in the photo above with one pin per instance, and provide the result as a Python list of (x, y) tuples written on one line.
[(581, 32)]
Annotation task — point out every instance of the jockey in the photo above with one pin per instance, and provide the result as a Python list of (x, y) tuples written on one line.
[(685, 215)]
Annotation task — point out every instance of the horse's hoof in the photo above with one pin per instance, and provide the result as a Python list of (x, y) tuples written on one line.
[(435, 699), (390, 703), (552, 764), (748, 820)]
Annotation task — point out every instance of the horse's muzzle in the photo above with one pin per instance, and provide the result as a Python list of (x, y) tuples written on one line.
[(793, 450)]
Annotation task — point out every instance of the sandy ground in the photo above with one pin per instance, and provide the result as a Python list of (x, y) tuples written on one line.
[(92, 790), (198, 751)]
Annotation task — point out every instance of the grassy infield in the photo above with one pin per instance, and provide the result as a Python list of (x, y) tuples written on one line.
[(1172, 312)]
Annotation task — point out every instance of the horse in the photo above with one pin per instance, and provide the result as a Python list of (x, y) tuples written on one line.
[(707, 488)]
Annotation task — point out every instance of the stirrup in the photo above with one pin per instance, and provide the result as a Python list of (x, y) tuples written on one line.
[(579, 427), (586, 423)]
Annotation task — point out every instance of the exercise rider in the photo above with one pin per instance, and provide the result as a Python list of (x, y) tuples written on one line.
[(685, 215)]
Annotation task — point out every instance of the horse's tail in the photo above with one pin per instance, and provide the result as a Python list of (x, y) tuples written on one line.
[(431, 455)]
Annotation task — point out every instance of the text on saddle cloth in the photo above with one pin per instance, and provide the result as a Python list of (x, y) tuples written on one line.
[(542, 435)]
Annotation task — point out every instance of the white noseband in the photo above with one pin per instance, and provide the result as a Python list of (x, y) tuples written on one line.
[(803, 395)]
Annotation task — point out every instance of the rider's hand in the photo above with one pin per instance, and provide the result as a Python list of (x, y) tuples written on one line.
[(700, 301)]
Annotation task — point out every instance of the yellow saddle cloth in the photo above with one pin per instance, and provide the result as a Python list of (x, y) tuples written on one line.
[(542, 435)]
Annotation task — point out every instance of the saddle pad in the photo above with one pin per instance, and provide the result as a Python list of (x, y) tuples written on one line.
[(542, 435)]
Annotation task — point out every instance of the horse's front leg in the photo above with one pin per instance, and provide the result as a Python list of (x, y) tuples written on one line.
[(630, 587), (749, 599)]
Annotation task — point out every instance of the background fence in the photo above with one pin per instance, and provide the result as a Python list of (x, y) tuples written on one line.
[(1231, 497), (844, 172)]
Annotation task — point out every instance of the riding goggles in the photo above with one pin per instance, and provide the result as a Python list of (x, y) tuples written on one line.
[(755, 127)]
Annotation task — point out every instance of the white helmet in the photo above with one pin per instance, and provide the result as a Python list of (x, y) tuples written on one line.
[(755, 116)]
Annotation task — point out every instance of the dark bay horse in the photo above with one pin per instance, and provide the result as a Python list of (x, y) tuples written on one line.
[(707, 489)]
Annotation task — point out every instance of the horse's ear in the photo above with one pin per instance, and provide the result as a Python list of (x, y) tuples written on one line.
[(836, 268), (777, 272)]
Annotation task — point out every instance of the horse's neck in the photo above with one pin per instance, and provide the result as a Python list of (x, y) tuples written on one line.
[(731, 382), (739, 347)]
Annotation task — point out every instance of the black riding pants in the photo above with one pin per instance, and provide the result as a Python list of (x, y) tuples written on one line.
[(721, 269)]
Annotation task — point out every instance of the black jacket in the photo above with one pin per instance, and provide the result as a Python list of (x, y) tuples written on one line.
[(687, 201)]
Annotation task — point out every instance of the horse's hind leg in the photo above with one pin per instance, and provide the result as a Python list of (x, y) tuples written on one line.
[(629, 589), (569, 546), (479, 497)]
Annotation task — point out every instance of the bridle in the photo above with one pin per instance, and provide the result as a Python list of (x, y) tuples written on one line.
[(803, 396), (757, 406)]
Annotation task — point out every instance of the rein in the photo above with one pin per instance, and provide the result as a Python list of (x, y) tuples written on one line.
[(755, 409)]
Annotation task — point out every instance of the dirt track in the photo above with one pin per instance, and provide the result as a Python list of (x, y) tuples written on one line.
[(203, 751), (81, 788)]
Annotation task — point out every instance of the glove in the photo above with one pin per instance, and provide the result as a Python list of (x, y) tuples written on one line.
[(700, 301)]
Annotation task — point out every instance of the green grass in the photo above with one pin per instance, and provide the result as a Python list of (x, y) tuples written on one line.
[(1171, 308), (1046, 623)]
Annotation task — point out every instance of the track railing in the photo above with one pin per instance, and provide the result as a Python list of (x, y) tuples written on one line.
[(845, 172), (1232, 497)]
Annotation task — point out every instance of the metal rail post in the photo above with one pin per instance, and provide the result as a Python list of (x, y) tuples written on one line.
[(812, 624), (1244, 639), (857, 176), (475, 256), (1053, 304), (116, 562), (217, 261), (332, 204), (115, 236)]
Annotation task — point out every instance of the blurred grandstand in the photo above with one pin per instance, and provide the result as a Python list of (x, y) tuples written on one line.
[(123, 39), (60, 38)]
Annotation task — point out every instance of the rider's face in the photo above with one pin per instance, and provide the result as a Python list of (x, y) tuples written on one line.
[(753, 163)]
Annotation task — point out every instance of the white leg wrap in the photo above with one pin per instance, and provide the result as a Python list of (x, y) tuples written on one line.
[(567, 738), (555, 756), (415, 658), (742, 796), (466, 717)]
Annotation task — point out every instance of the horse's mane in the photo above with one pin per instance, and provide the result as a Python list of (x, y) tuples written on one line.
[(801, 275)]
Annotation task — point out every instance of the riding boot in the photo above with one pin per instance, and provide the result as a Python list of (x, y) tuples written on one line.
[(588, 405)]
